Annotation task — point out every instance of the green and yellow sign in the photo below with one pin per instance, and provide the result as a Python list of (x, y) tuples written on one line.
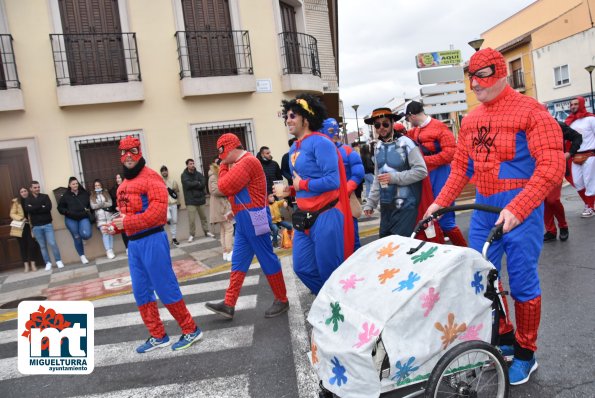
[(438, 58)]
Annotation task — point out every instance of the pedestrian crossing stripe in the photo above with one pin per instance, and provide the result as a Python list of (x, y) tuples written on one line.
[(122, 353), (222, 387), (133, 318)]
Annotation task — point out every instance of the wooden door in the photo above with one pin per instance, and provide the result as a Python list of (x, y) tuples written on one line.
[(93, 41), (290, 39), (15, 172), (209, 38)]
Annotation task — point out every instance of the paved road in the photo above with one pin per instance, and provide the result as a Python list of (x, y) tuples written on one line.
[(256, 357)]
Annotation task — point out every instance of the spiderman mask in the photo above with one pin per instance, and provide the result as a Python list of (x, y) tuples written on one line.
[(130, 146), (227, 143), (486, 67)]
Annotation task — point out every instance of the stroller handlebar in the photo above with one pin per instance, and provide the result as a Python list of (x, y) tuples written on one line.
[(495, 233)]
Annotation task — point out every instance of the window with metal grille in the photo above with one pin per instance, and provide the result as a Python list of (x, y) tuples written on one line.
[(561, 75), (99, 158), (207, 136)]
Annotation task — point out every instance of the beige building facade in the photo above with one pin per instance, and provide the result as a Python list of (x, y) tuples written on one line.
[(78, 75)]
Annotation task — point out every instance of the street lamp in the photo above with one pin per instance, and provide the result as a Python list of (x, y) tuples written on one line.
[(356, 121), (476, 44), (590, 70)]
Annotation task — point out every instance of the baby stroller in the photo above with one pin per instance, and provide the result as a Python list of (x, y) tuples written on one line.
[(417, 317)]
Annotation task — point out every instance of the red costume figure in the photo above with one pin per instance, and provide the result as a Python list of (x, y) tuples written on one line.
[(552, 206), (245, 185), (583, 162), (437, 145), (142, 200), (511, 148)]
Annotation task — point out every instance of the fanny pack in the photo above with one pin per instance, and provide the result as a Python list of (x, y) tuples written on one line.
[(304, 220), (259, 218), (580, 158)]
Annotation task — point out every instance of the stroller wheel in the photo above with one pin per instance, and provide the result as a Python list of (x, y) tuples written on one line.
[(470, 369)]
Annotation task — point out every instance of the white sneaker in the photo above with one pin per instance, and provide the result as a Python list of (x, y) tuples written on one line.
[(84, 259), (588, 212), (60, 264), (210, 234), (190, 238), (110, 254), (48, 266), (229, 256)]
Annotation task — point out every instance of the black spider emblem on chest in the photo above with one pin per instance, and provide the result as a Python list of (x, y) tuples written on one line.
[(483, 142)]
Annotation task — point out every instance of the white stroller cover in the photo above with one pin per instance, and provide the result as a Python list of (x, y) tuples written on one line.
[(421, 304)]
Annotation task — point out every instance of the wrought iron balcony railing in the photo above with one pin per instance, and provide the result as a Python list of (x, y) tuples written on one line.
[(517, 79), (9, 78), (214, 53), (299, 53), (95, 58)]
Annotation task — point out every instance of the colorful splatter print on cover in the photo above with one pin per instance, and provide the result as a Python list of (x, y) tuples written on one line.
[(421, 305)]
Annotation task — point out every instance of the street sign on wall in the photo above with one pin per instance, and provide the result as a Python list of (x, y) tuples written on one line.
[(438, 58), (440, 75)]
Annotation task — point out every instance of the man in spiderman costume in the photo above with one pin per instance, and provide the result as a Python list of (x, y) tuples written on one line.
[(583, 162), (511, 148), (142, 200), (437, 144), (354, 169), (323, 223), (242, 179)]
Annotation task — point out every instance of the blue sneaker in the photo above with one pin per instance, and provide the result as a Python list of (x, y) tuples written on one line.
[(186, 340), (153, 343), (507, 352), (520, 371)]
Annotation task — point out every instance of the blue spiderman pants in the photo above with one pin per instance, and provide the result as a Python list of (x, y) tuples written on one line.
[(319, 251), (151, 271), (438, 178), (246, 245), (522, 247)]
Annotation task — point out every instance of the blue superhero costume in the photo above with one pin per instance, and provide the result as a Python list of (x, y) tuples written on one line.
[(317, 252)]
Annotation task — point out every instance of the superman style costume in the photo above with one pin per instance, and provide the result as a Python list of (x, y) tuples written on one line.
[(511, 148), (437, 144), (352, 162), (142, 199), (245, 186), (317, 252)]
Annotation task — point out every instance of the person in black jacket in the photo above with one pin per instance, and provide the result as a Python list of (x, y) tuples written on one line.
[(272, 171), (553, 207), (367, 160), (74, 205), (39, 207), (194, 187)]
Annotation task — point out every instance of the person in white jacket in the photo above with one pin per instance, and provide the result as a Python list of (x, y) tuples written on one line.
[(101, 202)]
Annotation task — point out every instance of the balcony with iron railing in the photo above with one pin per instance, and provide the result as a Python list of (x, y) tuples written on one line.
[(300, 63), (516, 80), (215, 62), (11, 96), (94, 68)]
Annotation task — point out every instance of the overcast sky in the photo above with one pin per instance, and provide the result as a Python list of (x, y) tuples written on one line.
[(378, 41)]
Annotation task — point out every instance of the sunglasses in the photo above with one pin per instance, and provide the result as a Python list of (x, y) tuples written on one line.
[(290, 116), (383, 124), (133, 151), (483, 72)]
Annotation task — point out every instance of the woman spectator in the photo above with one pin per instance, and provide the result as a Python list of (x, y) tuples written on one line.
[(114, 194), (101, 203), (74, 205), (220, 211), (23, 235)]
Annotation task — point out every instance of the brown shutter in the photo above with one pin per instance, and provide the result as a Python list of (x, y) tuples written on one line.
[(290, 39), (97, 58), (209, 38)]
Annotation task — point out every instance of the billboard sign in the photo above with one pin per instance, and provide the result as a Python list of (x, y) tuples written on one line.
[(438, 58)]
